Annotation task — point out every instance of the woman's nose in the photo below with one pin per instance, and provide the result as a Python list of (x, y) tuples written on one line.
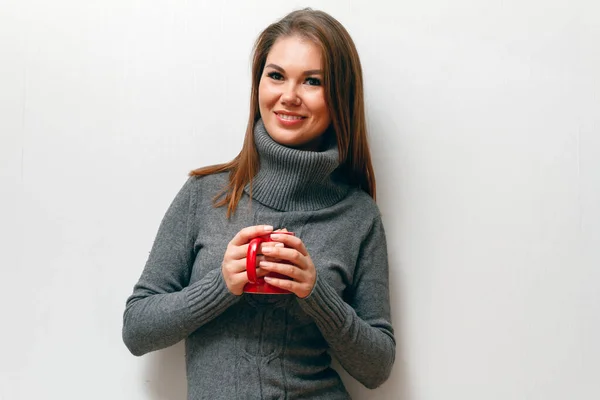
[(290, 96)]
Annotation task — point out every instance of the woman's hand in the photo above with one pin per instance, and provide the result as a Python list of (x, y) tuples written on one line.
[(234, 260), (299, 266)]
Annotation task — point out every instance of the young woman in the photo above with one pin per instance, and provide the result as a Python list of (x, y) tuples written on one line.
[(305, 166)]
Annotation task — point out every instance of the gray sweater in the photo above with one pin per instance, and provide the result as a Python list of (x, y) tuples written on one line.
[(269, 346)]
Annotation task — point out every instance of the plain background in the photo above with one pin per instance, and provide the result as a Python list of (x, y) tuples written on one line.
[(484, 123)]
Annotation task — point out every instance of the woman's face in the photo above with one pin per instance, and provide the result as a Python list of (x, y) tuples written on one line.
[(291, 95)]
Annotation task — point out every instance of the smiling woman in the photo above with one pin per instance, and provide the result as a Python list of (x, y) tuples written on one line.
[(305, 167), (290, 95)]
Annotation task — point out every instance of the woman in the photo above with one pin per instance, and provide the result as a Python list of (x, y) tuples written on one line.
[(305, 166)]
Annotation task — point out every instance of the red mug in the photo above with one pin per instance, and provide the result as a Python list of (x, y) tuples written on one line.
[(258, 285)]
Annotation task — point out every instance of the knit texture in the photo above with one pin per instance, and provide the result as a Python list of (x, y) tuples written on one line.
[(269, 346), (294, 180)]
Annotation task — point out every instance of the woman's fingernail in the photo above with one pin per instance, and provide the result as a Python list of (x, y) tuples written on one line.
[(268, 228), (278, 245)]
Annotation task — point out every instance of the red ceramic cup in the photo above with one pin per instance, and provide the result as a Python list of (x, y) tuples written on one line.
[(257, 285)]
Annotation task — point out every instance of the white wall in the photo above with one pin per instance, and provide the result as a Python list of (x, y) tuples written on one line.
[(485, 125)]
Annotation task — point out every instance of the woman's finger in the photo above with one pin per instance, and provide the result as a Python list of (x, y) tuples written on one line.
[(236, 252), (290, 241), (289, 270), (265, 258), (286, 254), (235, 266), (249, 233), (299, 289), (240, 252), (261, 272), (239, 280)]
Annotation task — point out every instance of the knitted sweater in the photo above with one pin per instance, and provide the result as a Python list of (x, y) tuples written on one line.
[(269, 346)]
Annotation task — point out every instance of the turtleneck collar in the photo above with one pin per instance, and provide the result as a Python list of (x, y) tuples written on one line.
[(294, 180)]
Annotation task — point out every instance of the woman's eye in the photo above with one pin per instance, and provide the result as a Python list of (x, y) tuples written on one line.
[(313, 81), (275, 75)]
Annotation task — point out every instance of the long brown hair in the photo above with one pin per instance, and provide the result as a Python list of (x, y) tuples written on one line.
[(343, 86)]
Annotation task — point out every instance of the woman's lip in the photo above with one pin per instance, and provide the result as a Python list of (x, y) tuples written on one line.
[(289, 122), (293, 114)]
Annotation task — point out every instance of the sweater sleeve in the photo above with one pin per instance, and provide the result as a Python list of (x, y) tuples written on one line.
[(163, 309), (360, 334)]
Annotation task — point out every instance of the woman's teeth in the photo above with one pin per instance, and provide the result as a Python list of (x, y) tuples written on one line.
[(289, 117)]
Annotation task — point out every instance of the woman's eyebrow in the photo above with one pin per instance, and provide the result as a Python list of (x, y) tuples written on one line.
[(309, 72), (314, 72), (275, 66)]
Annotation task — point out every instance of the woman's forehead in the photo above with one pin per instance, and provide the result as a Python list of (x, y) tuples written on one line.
[(295, 51)]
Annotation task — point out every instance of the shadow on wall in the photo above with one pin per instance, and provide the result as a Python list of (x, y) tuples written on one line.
[(164, 374), (387, 147)]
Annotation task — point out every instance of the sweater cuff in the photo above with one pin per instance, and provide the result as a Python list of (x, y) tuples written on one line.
[(326, 307), (209, 297)]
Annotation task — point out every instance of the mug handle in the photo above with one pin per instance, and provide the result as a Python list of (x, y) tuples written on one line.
[(251, 259)]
